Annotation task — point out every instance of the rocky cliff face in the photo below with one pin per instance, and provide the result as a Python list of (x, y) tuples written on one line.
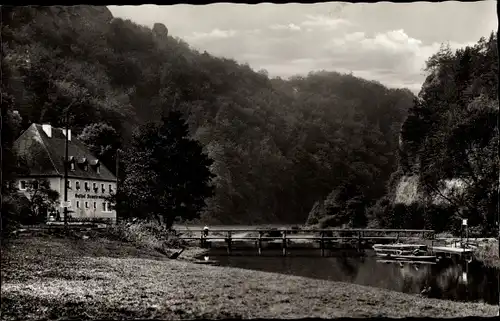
[(409, 191)]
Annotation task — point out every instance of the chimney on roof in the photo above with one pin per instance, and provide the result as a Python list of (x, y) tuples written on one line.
[(69, 133), (47, 129)]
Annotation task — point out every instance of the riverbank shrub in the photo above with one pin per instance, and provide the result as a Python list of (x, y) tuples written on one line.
[(147, 234), (10, 217), (15, 212)]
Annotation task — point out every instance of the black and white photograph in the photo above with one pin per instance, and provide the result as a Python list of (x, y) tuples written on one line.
[(217, 161)]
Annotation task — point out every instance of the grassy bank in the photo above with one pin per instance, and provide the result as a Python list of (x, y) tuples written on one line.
[(487, 253), (51, 277)]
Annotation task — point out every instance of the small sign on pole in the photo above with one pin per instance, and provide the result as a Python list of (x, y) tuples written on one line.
[(65, 204), (464, 222)]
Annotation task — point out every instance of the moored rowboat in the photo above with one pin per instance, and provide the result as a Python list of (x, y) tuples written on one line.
[(399, 246), (408, 257), (406, 262)]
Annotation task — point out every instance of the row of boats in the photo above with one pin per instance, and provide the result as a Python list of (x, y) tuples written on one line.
[(420, 254), (403, 253)]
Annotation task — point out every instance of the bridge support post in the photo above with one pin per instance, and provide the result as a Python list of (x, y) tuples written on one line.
[(359, 240), (229, 242), (322, 243), (260, 243), (284, 243)]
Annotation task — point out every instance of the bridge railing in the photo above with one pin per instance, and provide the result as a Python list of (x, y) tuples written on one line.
[(296, 231), (333, 233), (286, 235)]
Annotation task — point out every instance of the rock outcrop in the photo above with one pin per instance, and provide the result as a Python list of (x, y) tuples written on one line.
[(409, 191), (159, 30)]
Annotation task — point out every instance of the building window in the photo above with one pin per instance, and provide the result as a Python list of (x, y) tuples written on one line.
[(94, 186), (98, 169), (86, 204), (86, 167), (72, 166), (102, 188), (77, 185), (87, 187), (68, 184), (110, 188), (106, 207), (34, 184), (22, 185), (95, 205), (77, 204)]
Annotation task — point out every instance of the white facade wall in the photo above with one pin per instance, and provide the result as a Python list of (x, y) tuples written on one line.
[(84, 203)]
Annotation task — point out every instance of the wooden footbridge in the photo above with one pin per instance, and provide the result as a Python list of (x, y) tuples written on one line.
[(292, 238)]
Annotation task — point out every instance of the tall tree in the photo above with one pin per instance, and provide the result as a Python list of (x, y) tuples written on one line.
[(103, 141), (167, 175)]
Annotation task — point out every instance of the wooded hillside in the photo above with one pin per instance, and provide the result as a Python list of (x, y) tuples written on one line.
[(278, 145)]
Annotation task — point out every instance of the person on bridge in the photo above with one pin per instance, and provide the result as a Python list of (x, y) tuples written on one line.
[(205, 231)]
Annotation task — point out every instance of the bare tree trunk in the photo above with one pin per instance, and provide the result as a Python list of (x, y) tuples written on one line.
[(158, 218), (170, 219)]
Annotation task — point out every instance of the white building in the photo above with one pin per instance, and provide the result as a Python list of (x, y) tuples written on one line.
[(42, 149)]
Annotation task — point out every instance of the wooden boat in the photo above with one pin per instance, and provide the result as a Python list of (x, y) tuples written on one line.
[(399, 246), (207, 262), (399, 249), (405, 262), (396, 257)]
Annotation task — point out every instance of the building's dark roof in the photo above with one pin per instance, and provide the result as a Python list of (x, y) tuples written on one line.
[(44, 155)]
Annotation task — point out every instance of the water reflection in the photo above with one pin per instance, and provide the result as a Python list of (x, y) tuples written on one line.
[(461, 281)]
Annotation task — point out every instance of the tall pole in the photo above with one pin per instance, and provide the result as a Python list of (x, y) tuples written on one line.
[(66, 171), (117, 172)]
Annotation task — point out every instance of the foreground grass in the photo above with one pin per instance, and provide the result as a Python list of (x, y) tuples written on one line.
[(50, 277)]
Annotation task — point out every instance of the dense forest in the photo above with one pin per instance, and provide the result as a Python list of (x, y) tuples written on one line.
[(323, 147)]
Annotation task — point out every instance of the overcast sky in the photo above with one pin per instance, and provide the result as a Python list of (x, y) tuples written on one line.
[(388, 42)]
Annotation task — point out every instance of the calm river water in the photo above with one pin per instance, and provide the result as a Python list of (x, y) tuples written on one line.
[(462, 282)]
